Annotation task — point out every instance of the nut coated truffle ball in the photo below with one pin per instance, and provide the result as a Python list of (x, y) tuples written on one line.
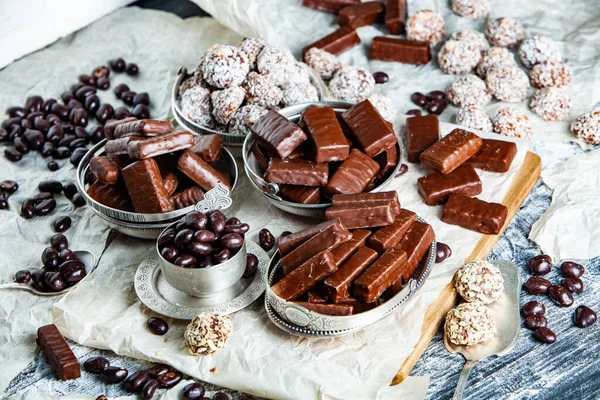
[(245, 117), (252, 47), (552, 104), (473, 9), (196, 105), (492, 57), (273, 63), (225, 66), (385, 106), (352, 84), (474, 118), (207, 333), (426, 26), (505, 32), (261, 91), (479, 281), (325, 63), (551, 73), (477, 38), (226, 102), (507, 83), (469, 324), (458, 57), (538, 49), (587, 127), (513, 123), (468, 90)]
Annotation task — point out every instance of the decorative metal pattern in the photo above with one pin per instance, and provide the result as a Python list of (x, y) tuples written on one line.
[(215, 199)]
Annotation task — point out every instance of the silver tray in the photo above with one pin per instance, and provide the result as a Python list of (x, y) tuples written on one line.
[(156, 294), (297, 320), (269, 190)]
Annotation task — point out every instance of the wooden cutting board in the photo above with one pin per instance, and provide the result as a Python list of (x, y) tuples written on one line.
[(523, 183)]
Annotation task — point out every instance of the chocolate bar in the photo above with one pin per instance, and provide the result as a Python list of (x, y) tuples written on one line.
[(300, 194), (389, 236), (260, 156), (337, 42), (325, 240), (118, 147), (330, 6), (155, 146), (436, 188), (146, 187), (395, 15), (387, 161), (276, 133), (200, 171), (363, 215), (167, 164), (390, 197), (337, 286), (353, 176), (362, 14), (113, 196), (143, 127), (421, 133), (315, 297), (328, 309), (187, 197), (297, 154), (305, 277), (379, 276), (288, 243), (208, 147), (301, 172), (57, 353), (325, 133), (400, 50), (106, 169), (342, 252), (368, 127), (494, 155), (474, 214), (109, 127), (451, 151), (359, 307)]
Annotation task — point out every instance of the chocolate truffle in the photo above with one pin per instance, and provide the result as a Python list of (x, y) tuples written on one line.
[(469, 324), (479, 281), (207, 333)]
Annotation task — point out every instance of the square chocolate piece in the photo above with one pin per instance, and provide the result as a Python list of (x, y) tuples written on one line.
[(451, 151), (494, 155), (325, 133), (276, 133), (368, 127), (421, 133)]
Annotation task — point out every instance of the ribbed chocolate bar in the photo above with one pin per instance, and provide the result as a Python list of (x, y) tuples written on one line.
[(342, 252), (494, 156), (395, 16), (155, 146), (106, 169), (337, 42), (118, 147), (389, 236), (362, 14), (325, 134), (451, 151), (300, 172), (300, 194), (436, 188), (400, 50), (390, 197), (200, 171), (337, 287), (369, 128), (109, 127), (276, 133), (146, 187), (387, 161), (113, 196), (288, 243), (330, 6), (421, 133), (328, 309), (364, 215), (305, 277), (187, 197), (353, 176), (474, 214), (57, 353), (143, 127), (208, 147), (379, 276)]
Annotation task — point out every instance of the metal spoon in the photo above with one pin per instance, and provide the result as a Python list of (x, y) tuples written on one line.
[(505, 312), (88, 260)]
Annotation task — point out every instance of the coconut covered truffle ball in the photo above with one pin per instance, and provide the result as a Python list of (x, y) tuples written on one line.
[(458, 57), (587, 127), (297, 93), (225, 66), (468, 90), (551, 73), (226, 102), (492, 57), (505, 32), (325, 63), (513, 123), (352, 84), (473, 9), (538, 49), (552, 104), (252, 47), (469, 324), (474, 117), (479, 281), (196, 105), (261, 91), (426, 26), (385, 106), (189, 83), (297, 74), (477, 38), (507, 83), (273, 63), (207, 333), (244, 118)]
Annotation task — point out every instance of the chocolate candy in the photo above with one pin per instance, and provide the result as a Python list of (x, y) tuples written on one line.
[(300, 194), (168, 172), (266, 240), (387, 161), (315, 297), (395, 16), (571, 269), (96, 365), (536, 321), (436, 106), (23, 276), (494, 155), (136, 381), (474, 214), (158, 326), (62, 224), (584, 317), (389, 236), (113, 196), (57, 353), (290, 242), (305, 277), (573, 285), (116, 147), (251, 264), (325, 134), (442, 252), (193, 391), (533, 308), (59, 242), (336, 42), (380, 77), (330, 6), (364, 215), (328, 309), (259, 154), (155, 146), (436, 188), (362, 14), (379, 276), (72, 271), (337, 286), (560, 296), (146, 188), (342, 252), (200, 171), (537, 285), (369, 128), (353, 176), (276, 133), (143, 127), (187, 197), (540, 265), (115, 374), (400, 50), (301, 172), (545, 335), (208, 147), (132, 69), (110, 126), (117, 65), (451, 151), (106, 169), (390, 197)]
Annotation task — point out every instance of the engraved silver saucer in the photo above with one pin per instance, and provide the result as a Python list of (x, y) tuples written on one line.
[(156, 294)]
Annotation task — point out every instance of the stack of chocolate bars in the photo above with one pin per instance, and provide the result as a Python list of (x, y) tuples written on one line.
[(455, 182), (149, 168), (325, 154), (366, 251)]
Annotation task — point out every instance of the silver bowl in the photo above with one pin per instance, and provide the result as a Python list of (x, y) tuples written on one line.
[(297, 320), (204, 282), (150, 226), (269, 190)]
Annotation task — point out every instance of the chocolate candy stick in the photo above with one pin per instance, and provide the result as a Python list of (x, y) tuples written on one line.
[(169, 173), (364, 215), (387, 161), (451, 151), (187, 197), (57, 353), (395, 16), (260, 156), (359, 307), (300, 194), (200, 171), (390, 197), (337, 286), (109, 127), (353, 176), (118, 147), (290, 242), (389, 236), (155, 146), (143, 127), (369, 128), (208, 147), (330, 6), (146, 187), (315, 297), (494, 156), (362, 14), (400, 50), (342, 252), (337, 42), (436, 188), (421, 133), (379, 276), (300, 172), (328, 309), (113, 196), (474, 214), (105, 169), (305, 277), (277, 134), (325, 133)]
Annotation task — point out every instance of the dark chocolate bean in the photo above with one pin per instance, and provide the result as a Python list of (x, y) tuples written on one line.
[(158, 326), (53, 120), (533, 308), (117, 65), (419, 99), (72, 271), (96, 365), (84, 91), (27, 209), (571, 269), (66, 96), (573, 285), (61, 110), (220, 396), (97, 134), (50, 258), (584, 317), (169, 253), (77, 155), (536, 321), (545, 335), (34, 103), (204, 236), (54, 281), (115, 374), (101, 72), (16, 112), (3, 204), (232, 241), (443, 251), (141, 111), (66, 255), (232, 221), (103, 83), (104, 113), (199, 249), (34, 138), (169, 380), (237, 228), (540, 265), (221, 256), (87, 79), (79, 116), (55, 134), (436, 106), (193, 391), (195, 220), (120, 89), (158, 370), (186, 260), (9, 123), (216, 221), (59, 242), (251, 265), (141, 98), (537, 285), (53, 166), (183, 237), (380, 77), (560, 296), (23, 276), (414, 112), (41, 124), (167, 237), (21, 145), (61, 152), (70, 189), (150, 388), (48, 149), (136, 381), (78, 200), (9, 186), (51, 186), (121, 113), (12, 154), (436, 94), (73, 104), (127, 97), (45, 207), (92, 103), (266, 239), (47, 105), (132, 69)]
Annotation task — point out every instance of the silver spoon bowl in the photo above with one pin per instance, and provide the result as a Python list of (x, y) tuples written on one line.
[(88, 260)]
